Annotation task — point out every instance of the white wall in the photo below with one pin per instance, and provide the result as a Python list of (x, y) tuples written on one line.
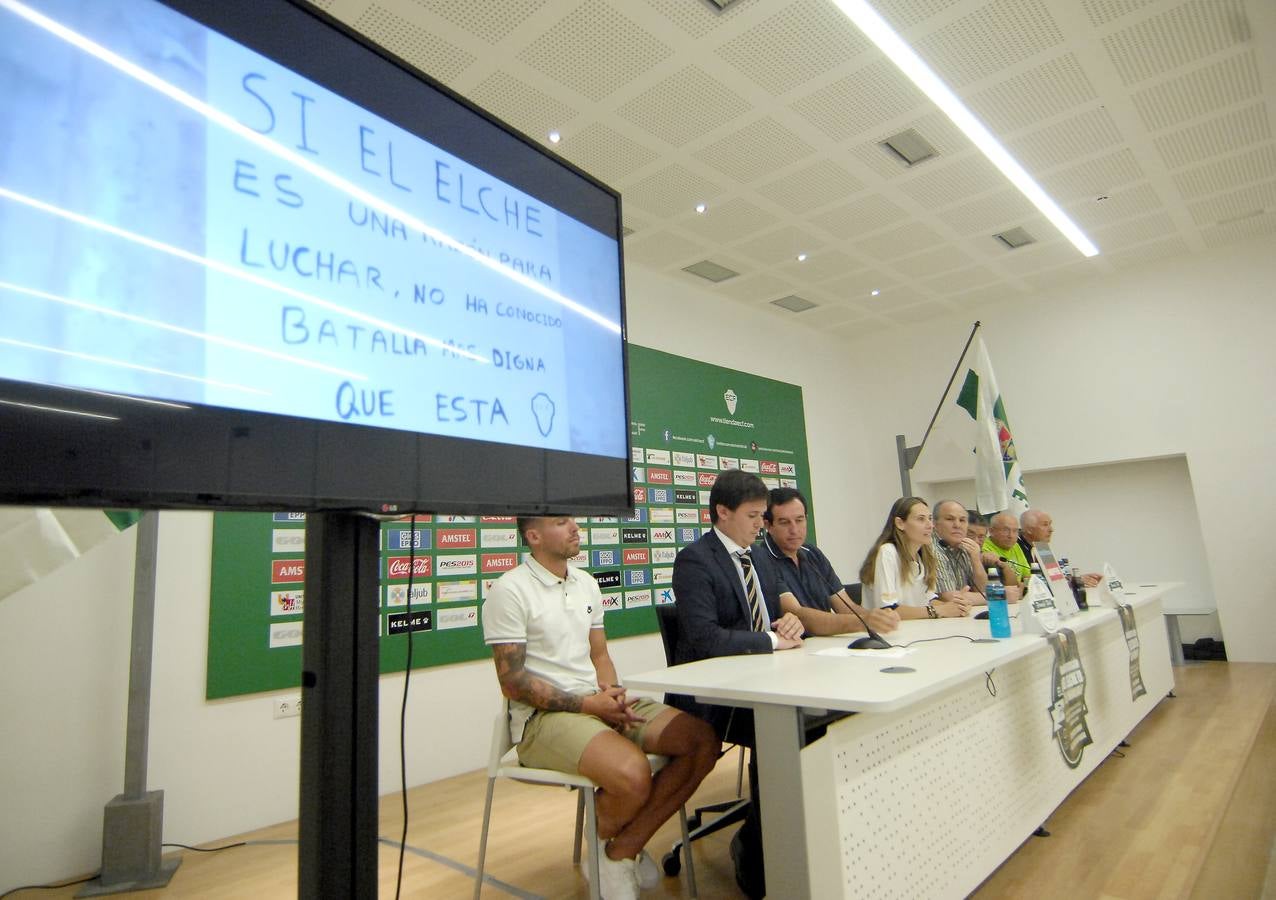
[(1173, 358), (1170, 360), (1091, 507), (228, 766)]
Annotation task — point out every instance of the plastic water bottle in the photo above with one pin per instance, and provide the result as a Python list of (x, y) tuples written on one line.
[(998, 611)]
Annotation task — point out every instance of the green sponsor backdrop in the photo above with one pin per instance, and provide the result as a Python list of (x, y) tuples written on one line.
[(689, 420)]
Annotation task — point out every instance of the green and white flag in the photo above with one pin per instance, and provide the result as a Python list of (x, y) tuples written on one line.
[(35, 541), (973, 420)]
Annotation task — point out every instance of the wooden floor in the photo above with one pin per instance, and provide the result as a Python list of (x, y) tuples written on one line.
[(1189, 811)]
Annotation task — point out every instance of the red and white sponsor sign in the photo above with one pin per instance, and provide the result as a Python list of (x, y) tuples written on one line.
[(704, 516), (420, 517), (287, 571), (706, 479), (769, 467), (640, 495), (396, 567), (706, 461), (636, 556), (728, 462), (455, 538), (659, 476), (499, 562)]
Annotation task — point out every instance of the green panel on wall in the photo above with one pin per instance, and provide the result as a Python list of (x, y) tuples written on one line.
[(689, 420)]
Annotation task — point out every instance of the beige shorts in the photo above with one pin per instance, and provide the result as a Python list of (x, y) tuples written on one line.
[(556, 740)]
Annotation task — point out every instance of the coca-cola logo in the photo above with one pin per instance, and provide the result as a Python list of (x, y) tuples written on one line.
[(397, 567)]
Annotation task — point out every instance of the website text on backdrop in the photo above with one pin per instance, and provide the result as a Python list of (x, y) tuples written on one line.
[(569, 710)]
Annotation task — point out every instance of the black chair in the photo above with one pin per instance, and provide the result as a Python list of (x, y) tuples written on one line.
[(728, 812), (855, 591)]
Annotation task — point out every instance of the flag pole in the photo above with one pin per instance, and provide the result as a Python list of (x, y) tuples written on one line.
[(908, 455)]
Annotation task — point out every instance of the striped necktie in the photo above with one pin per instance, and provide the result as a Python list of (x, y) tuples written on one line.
[(751, 590)]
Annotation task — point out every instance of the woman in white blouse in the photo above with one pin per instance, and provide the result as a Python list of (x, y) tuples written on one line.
[(899, 572)]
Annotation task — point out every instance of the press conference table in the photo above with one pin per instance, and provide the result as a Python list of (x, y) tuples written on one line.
[(939, 780)]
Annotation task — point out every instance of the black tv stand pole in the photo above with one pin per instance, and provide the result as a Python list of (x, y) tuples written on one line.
[(337, 856)]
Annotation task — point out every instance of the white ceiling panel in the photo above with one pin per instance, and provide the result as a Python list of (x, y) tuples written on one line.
[(1149, 121)]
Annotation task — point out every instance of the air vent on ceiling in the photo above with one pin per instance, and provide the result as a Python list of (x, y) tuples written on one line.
[(794, 303), (909, 146), (627, 231), (710, 271), (1242, 217), (1015, 238), (720, 4)]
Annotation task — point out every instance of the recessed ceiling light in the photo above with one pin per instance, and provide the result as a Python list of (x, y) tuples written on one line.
[(897, 50), (555, 137), (801, 257), (875, 292), (700, 208)]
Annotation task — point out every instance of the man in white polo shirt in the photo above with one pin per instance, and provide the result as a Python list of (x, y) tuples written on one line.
[(568, 710)]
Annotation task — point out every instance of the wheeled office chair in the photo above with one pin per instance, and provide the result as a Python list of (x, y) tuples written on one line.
[(729, 812)]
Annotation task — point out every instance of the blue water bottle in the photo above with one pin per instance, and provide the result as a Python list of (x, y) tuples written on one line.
[(998, 612)]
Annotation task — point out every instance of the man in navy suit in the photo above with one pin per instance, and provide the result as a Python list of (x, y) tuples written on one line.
[(728, 604)]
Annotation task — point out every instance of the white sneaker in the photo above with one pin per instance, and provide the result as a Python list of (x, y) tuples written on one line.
[(617, 878), (648, 871)]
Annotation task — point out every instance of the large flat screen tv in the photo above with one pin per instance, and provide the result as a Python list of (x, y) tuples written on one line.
[(250, 260)]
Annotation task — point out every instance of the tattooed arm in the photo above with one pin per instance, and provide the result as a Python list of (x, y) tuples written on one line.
[(519, 684), (609, 704)]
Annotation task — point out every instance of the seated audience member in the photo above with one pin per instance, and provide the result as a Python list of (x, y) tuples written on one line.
[(810, 588), (728, 601), (976, 527), (899, 571), (1001, 549), (569, 712), (1037, 526)]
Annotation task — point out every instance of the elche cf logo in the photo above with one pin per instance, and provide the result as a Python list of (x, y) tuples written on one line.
[(730, 397)]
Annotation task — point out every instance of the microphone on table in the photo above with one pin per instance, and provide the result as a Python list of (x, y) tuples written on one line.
[(1017, 565), (873, 641)]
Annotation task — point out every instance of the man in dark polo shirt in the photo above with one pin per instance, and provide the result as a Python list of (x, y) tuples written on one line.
[(810, 589)]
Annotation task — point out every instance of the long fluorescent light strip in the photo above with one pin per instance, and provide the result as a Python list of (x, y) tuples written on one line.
[(177, 329), (107, 361), (877, 30), (225, 269), (218, 117), (55, 409)]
